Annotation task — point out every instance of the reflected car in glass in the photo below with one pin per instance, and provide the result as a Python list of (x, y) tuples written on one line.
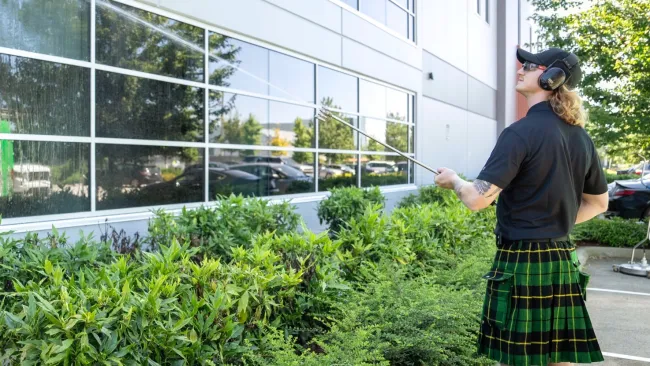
[(335, 170), (378, 167), (31, 179), (305, 168), (282, 178)]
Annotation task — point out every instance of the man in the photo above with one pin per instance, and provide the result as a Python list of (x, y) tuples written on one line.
[(547, 174)]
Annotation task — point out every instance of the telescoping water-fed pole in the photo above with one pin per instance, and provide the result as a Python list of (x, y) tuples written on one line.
[(324, 114)]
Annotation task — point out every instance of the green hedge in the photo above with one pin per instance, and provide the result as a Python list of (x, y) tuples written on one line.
[(240, 283), (615, 232), (613, 177)]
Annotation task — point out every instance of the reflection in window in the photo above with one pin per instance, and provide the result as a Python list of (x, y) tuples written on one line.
[(397, 19), (135, 108), (135, 39), (237, 119), (135, 176), (396, 104), (260, 173), (290, 126), (332, 134), (238, 65), (337, 170), (45, 98), (51, 27), (391, 133), (372, 99), (376, 9), (337, 90), (43, 178), (411, 140), (291, 78), (383, 170)]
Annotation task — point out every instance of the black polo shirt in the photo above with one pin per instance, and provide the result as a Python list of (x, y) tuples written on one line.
[(543, 165)]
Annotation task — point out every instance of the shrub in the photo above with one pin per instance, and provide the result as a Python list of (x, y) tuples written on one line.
[(344, 204), (613, 177), (615, 232), (429, 194), (233, 222), (415, 322)]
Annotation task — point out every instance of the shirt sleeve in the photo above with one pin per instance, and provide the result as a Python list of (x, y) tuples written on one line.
[(505, 160), (595, 180)]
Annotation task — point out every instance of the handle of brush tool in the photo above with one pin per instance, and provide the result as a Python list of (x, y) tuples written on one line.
[(327, 114)]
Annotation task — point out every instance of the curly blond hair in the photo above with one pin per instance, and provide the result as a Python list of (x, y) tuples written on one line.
[(567, 104)]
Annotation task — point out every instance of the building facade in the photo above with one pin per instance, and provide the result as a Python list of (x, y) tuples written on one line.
[(110, 109)]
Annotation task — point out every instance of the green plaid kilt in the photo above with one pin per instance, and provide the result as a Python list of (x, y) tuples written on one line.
[(534, 311)]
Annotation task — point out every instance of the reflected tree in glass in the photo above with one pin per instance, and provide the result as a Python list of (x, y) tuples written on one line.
[(45, 98), (333, 134)]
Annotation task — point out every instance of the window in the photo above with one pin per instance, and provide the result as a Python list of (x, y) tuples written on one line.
[(44, 98), (487, 11), (398, 15), (178, 120), (51, 27), (478, 7)]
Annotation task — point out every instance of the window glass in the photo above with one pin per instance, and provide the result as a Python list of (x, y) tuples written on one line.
[(289, 126), (237, 119), (332, 134), (383, 170), (411, 26), (352, 3), (136, 108), (262, 173), (487, 11), (403, 3), (291, 78), (376, 9), (135, 39), (396, 104), (337, 170), (45, 98), (372, 99), (337, 90), (411, 140), (412, 6), (397, 19), (51, 27), (238, 65), (43, 178), (135, 176), (391, 133)]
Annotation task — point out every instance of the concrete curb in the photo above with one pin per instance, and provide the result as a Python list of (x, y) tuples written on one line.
[(625, 254)]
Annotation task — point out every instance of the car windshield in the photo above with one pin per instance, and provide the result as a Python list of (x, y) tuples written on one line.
[(289, 171)]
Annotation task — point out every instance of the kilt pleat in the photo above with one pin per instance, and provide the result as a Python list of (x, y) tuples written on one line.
[(534, 311)]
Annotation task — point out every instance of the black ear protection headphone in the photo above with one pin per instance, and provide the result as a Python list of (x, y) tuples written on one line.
[(558, 73)]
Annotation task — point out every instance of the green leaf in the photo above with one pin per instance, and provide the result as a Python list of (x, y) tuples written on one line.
[(64, 346), (56, 359), (48, 267), (152, 362)]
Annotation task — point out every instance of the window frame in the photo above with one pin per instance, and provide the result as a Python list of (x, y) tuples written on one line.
[(36, 222)]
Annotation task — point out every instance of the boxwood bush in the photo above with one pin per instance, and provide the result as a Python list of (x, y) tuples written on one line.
[(615, 232)]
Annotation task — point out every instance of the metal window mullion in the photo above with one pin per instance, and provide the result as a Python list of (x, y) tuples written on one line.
[(206, 121), (403, 8), (316, 127), (92, 184)]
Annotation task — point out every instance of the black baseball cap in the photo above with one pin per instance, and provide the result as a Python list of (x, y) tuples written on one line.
[(565, 60)]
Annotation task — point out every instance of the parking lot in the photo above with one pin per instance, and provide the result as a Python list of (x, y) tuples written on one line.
[(619, 306)]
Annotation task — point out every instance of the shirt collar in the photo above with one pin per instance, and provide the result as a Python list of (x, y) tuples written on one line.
[(539, 107)]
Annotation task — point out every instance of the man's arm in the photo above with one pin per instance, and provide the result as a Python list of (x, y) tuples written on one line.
[(592, 206), (476, 195)]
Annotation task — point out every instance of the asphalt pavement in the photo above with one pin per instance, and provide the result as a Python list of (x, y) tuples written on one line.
[(621, 320)]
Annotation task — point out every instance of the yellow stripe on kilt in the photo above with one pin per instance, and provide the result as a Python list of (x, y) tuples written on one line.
[(537, 251), (554, 340), (544, 297)]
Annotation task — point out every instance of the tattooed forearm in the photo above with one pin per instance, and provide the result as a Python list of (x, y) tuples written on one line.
[(458, 187), (482, 186)]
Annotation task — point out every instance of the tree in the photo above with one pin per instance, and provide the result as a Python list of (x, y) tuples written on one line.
[(251, 134), (304, 138), (333, 134), (611, 38), (277, 140)]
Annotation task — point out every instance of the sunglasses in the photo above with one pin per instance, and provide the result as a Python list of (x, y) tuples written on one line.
[(529, 66)]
